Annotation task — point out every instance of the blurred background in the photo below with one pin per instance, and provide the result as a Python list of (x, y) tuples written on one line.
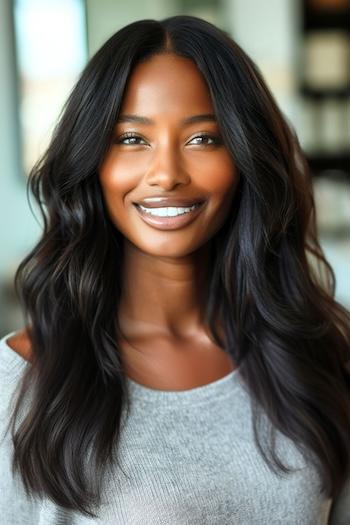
[(302, 47)]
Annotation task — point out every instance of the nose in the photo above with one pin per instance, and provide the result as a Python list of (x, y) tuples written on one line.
[(166, 168)]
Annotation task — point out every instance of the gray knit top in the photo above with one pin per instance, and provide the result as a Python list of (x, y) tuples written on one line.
[(190, 459)]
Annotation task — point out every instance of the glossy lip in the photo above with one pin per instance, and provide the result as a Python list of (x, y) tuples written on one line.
[(169, 223), (159, 202)]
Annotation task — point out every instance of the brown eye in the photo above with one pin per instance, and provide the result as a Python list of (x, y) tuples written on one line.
[(132, 137), (207, 137)]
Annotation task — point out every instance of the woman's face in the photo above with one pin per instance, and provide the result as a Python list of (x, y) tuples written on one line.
[(164, 156)]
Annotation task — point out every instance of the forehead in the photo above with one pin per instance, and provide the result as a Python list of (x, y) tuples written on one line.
[(166, 84)]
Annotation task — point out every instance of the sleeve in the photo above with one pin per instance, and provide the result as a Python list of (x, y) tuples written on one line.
[(15, 507), (340, 509)]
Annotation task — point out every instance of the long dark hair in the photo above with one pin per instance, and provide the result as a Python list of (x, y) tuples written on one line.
[(271, 286)]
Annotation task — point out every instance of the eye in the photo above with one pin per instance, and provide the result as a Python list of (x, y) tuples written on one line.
[(127, 136), (214, 139), (133, 139)]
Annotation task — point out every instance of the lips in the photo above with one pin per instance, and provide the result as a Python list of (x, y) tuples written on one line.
[(169, 222), (160, 202)]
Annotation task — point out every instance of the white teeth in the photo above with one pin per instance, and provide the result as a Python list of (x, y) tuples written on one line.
[(168, 212)]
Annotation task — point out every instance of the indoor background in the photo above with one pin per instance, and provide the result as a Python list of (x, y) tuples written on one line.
[(302, 48)]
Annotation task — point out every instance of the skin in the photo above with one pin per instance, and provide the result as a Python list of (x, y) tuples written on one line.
[(166, 344)]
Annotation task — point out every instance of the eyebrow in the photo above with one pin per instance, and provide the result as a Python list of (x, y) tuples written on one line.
[(138, 119)]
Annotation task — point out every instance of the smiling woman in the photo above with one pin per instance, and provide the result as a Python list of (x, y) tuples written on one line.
[(175, 326), (175, 176), (176, 156)]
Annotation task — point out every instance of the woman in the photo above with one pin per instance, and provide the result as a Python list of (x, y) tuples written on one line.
[(172, 280)]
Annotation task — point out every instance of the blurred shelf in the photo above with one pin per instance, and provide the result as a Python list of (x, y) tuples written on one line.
[(320, 162), (323, 94), (326, 19), (336, 234)]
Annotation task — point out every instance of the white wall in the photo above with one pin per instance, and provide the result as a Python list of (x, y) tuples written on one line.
[(18, 228), (105, 17), (268, 32)]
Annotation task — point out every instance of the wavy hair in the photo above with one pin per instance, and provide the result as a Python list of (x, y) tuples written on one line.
[(270, 285)]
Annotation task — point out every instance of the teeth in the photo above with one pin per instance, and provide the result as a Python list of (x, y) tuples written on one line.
[(168, 212)]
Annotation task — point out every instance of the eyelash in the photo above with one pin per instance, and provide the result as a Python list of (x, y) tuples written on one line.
[(129, 134)]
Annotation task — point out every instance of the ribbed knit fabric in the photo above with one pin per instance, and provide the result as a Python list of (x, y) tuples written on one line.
[(190, 459)]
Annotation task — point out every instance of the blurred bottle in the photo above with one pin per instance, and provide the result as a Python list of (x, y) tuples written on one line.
[(327, 60)]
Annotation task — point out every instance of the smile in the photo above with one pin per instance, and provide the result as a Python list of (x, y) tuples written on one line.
[(169, 218)]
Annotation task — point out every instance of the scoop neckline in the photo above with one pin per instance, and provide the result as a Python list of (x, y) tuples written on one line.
[(210, 391), (217, 388)]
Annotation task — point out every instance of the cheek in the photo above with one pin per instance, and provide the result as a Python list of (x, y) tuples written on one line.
[(216, 175), (116, 179), (220, 178), (115, 186)]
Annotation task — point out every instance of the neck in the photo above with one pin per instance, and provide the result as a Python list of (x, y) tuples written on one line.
[(162, 294)]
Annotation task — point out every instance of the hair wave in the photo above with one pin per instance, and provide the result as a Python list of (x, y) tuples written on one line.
[(282, 325)]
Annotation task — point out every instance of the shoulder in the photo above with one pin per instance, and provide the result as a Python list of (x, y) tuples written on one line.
[(15, 507), (20, 343), (12, 366), (14, 355)]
